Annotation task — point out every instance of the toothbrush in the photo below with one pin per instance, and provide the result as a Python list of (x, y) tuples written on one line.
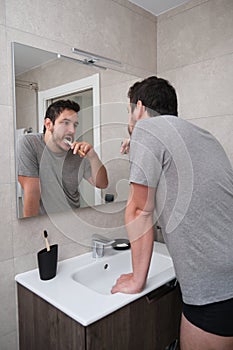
[(46, 241), (68, 142)]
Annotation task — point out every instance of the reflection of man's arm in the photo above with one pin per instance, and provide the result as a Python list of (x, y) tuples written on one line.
[(99, 176), (31, 187)]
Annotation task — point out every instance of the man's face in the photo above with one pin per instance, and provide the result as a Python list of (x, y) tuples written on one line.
[(65, 126), (136, 113), (132, 119)]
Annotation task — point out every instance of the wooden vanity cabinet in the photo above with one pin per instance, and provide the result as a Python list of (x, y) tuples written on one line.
[(149, 323)]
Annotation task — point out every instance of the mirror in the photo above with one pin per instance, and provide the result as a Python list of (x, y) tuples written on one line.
[(42, 77)]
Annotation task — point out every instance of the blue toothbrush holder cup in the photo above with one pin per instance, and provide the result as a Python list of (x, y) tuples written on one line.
[(47, 262)]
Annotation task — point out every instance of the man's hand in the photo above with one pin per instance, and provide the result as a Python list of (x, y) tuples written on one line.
[(82, 148), (127, 284), (125, 146)]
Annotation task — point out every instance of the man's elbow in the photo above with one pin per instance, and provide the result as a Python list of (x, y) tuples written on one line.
[(103, 184), (100, 182)]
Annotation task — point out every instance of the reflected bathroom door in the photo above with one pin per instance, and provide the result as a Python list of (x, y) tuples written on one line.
[(86, 96)]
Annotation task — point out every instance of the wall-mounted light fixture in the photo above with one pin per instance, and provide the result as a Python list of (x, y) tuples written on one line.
[(92, 58)]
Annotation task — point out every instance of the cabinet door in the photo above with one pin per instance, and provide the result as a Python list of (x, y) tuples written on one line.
[(150, 323), (43, 327)]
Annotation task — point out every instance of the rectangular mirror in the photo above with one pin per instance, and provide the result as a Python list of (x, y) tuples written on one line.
[(42, 77)]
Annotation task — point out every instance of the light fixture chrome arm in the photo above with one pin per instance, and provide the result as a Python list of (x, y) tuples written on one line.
[(84, 61), (92, 57)]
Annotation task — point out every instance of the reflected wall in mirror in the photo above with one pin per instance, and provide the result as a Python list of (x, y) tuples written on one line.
[(42, 77)]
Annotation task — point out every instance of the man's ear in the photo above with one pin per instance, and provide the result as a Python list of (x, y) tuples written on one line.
[(48, 124), (140, 110)]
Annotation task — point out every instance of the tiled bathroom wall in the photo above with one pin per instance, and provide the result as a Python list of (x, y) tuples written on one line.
[(195, 53)]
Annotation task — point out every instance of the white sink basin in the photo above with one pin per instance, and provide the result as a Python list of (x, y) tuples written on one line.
[(82, 286), (102, 275)]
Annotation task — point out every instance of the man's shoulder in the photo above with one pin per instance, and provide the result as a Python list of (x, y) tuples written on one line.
[(31, 139)]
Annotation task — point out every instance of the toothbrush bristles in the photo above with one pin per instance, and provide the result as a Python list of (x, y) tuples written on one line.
[(68, 142)]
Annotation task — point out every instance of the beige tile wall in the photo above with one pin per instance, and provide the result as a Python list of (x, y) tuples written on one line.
[(114, 29), (195, 53)]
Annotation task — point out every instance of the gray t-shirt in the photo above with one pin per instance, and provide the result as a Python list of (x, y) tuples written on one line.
[(60, 174), (193, 204)]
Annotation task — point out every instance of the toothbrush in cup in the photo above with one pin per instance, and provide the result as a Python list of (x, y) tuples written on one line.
[(69, 143), (46, 241)]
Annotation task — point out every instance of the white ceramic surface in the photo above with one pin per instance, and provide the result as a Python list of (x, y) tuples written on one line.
[(101, 276), (82, 287)]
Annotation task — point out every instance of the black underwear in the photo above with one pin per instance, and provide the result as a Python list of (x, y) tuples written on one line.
[(215, 318)]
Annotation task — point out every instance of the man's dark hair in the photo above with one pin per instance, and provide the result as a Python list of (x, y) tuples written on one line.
[(156, 94), (56, 108)]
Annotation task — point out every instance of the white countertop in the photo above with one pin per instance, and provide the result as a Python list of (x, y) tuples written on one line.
[(79, 302)]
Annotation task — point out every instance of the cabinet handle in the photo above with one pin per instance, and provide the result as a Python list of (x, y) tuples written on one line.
[(161, 291)]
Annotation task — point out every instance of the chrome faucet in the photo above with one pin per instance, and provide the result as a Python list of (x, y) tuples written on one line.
[(98, 244)]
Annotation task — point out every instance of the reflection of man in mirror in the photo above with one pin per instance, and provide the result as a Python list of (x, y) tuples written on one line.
[(52, 164)]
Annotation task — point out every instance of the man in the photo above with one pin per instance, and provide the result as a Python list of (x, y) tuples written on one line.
[(181, 172), (50, 168)]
